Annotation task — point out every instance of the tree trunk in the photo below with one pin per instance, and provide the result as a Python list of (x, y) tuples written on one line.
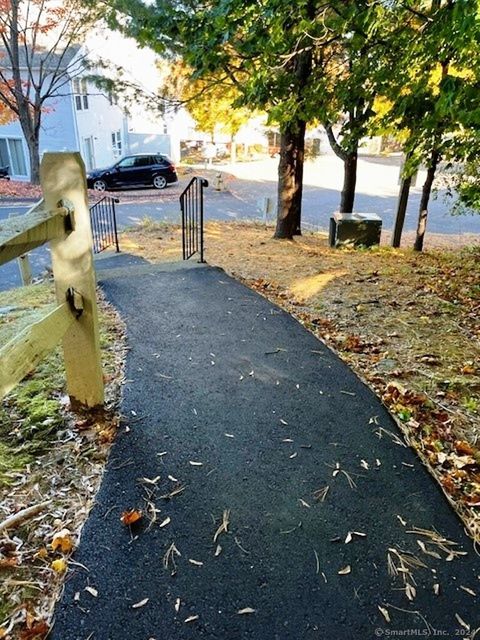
[(423, 209), (289, 189), (349, 182), (34, 153), (405, 185), (297, 200), (349, 159), (401, 211)]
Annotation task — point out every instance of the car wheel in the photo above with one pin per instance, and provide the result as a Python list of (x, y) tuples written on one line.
[(159, 182), (100, 185)]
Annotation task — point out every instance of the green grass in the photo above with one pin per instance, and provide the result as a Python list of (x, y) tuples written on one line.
[(31, 412)]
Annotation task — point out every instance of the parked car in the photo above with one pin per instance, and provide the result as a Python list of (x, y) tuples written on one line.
[(143, 169)]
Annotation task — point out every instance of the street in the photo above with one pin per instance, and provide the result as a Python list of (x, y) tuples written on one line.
[(248, 183)]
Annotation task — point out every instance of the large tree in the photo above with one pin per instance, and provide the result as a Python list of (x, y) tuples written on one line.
[(38, 59), (430, 85)]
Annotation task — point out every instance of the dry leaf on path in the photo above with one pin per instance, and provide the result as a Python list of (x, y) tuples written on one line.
[(223, 528), (245, 611), (92, 591), (142, 603), (131, 516), (197, 563), (384, 613), (165, 522), (346, 570), (191, 619)]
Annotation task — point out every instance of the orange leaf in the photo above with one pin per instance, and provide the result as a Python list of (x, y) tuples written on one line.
[(464, 448), (62, 540), (38, 631), (130, 517), (8, 563)]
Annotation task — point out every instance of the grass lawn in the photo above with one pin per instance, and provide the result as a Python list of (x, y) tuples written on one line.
[(407, 323)]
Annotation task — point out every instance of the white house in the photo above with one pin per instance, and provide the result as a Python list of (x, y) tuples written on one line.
[(86, 119)]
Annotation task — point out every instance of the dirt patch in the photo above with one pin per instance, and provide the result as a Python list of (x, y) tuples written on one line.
[(407, 323)]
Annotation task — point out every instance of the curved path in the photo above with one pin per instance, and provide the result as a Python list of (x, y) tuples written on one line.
[(233, 403)]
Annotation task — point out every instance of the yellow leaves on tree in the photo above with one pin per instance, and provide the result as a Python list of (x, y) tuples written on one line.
[(208, 100)]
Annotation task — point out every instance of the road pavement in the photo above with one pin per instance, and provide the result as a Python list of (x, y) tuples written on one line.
[(377, 189)]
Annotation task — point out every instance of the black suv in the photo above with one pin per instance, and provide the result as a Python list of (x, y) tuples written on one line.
[(143, 169)]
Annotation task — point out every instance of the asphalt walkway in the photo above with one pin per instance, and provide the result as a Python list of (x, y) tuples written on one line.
[(290, 508)]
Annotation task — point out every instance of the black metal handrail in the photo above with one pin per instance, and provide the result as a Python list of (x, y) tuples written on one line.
[(191, 204), (103, 219)]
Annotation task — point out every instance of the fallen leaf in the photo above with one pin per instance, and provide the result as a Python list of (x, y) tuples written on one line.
[(303, 503), (410, 591), (165, 522), (172, 479), (9, 563), (191, 619), (346, 570), (130, 517), (177, 605), (229, 435), (142, 603), (92, 591), (348, 538), (197, 563), (59, 565), (284, 422), (38, 629), (470, 591), (246, 610), (384, 613), (462, 622), (195, 464), (364, 464), (218, 550), (436, 588), (62, 540), (151, 480)]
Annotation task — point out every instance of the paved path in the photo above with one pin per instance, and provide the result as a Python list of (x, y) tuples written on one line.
[(219, 377)]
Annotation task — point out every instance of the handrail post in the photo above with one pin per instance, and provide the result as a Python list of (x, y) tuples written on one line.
[(115, 231), (62, 177), (202, 184)]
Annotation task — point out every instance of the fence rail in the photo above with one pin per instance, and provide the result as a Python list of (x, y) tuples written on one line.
[(191, 205), (62, 219), (103, 219)]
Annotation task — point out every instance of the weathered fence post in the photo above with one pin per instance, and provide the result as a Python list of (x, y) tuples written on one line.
[(62, 176)]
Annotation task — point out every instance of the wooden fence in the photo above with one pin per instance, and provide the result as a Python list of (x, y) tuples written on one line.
[(62, 219)]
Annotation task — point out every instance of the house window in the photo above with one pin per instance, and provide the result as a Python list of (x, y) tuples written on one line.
[(117, 143), (80, 92), (12, 155)]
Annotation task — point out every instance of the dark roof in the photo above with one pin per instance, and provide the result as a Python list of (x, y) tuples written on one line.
[(52, 60)]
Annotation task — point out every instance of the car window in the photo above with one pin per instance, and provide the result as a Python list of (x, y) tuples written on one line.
[(161, 160), (143, 161), (126, 162)]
